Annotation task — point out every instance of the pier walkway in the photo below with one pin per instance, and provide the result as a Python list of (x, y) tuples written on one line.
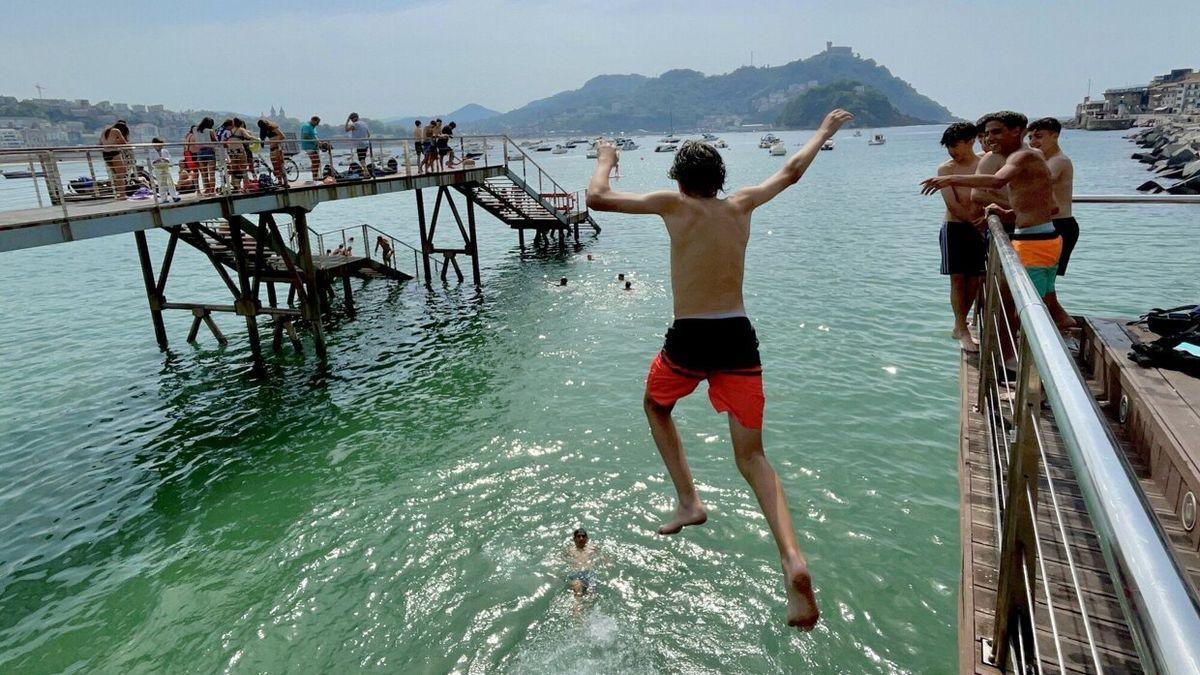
[(1078, 477), (258, 238)]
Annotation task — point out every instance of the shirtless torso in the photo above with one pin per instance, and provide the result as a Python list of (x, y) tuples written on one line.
[(960, 206), (989, 164), (1030, 190), (1062, 178)]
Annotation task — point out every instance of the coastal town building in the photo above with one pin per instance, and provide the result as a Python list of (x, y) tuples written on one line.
[(1170, 95), (1127, 100), (11, 139)]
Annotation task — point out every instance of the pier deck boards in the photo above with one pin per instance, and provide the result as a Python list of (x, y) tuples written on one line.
[(1164, 407)]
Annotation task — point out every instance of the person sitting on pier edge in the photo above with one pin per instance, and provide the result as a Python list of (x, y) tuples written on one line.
[(712, 338), (361, 134), (116, 137), (308, 145), (963, 246), (381, 243), (1043, 135), (1032, 211)]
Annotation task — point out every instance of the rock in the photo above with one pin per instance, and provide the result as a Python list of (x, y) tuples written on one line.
[(1182, 156), (1190, 186), (1150, 186), (1159, 165), (1171, 173), (1191, 169)]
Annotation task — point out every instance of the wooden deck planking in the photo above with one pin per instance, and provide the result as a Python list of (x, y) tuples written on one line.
[(980, 557)]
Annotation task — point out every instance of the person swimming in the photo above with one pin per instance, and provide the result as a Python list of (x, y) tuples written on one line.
[(582, 557)]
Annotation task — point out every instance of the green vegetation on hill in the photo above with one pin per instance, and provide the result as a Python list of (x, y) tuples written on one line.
[(870, 107), (686, 99)]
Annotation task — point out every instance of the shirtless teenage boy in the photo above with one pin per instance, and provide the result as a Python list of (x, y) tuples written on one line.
[(964, 248), (1043, 135), (1027, 178), (712, 338)]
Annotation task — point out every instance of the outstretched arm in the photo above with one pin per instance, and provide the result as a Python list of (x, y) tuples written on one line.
[(753, 197), (997, 181), (601, 197)]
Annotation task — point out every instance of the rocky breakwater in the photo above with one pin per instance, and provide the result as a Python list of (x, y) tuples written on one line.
[(1173, 153)]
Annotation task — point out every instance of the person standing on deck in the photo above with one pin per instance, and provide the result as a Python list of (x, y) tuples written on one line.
[(160, 161), (203, 141), (308, 145), (361, 134), (269, 133), (1031, 194), (418, 146), (1043, 135), (114, 139), (963, 245), (712, 338), (381, 243)]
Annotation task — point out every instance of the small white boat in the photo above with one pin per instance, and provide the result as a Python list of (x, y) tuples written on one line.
[(593, 153), (720, 143), (768, 141), (558, 150), (827, 145), (779, 148), (666, 147), (877, 139), (544, 147), (709, 137), (857, 133), (626, 144), (669, 138)]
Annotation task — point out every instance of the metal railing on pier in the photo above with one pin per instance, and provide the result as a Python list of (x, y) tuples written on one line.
[(41, 178), (1161, 610), (372, 250)]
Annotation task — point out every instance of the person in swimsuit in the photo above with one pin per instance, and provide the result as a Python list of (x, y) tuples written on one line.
[(964, 248), (1033, 207), (1043, 135), (204, 140), (582, 556), (712, 338), (115, 139)]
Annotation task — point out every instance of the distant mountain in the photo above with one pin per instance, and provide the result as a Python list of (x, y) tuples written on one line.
[(469, 113), (687, 99), (870, 107)]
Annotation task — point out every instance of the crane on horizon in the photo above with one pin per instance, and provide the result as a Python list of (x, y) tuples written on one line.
[(39, 88)]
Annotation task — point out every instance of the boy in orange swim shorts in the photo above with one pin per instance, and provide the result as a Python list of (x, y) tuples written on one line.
[(711, 338)]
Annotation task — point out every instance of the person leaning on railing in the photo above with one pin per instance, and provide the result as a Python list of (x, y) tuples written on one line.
[(270, 134)]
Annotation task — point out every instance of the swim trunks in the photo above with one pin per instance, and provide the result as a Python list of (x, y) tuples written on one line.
[(1039, 248), (723, 351), (1068, 229), (585, 577), (964, 249)]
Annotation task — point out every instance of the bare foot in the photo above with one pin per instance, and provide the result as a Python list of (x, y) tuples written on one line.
[(967, 342), (957, 332), (684, 517), (802, 609)]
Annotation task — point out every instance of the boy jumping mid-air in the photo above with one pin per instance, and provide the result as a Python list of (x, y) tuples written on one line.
[(712, 338)]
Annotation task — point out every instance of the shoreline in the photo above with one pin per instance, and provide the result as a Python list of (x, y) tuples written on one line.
[(1172, 151)]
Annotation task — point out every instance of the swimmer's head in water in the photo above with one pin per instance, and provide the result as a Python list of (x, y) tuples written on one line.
[(580, 537), (699, 169)]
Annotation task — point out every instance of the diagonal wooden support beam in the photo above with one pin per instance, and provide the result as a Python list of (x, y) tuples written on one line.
[(198, 234)]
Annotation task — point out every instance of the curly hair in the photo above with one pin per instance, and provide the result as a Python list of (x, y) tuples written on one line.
[(699, 169), (1010, 119)]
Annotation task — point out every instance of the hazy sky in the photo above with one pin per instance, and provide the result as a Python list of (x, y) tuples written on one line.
[(390, 58)]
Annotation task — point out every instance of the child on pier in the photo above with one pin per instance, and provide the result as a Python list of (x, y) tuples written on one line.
[(712, 338), (160, 161)]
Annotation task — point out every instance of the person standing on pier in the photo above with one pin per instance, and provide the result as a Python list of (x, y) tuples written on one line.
[(308, 145), (202, 141), (712, 338), (1043, 135), (1033, 207), (381, 243), (361, 134), (114, 139), (963, 245), (269, 133), (419, 146), (160, 161)]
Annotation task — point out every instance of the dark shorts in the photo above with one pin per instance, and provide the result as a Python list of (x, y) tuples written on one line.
[(964, 250), (722, 351), (1068, 229), (207, 155), (110, 155), (420, 147), (584, 577)]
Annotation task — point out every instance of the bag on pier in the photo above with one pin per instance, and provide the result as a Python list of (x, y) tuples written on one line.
[(1175, 352), (1168, 322)]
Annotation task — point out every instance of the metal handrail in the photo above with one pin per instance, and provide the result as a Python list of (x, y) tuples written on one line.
[(1162, 611), (1136, 199)]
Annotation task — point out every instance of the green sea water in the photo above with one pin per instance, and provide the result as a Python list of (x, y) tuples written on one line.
[(405, 507)]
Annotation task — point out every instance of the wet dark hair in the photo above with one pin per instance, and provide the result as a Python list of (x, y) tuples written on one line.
[(226, 123), (1046, 124), (156, 139), (123, 128), (238, 123), (206, 123), (1010, 119), (580, 532), (316, 119), (418, 122), (699, 169), (959, 132)]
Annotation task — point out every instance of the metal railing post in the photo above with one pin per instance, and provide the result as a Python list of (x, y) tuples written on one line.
[(1018, 552), (366, 242), (987, 339)]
